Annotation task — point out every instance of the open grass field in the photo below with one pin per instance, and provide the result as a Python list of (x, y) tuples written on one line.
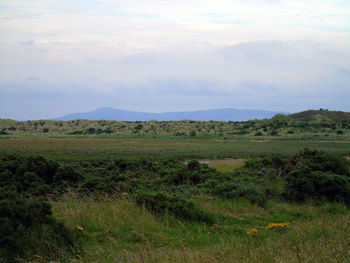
[(105, 149)]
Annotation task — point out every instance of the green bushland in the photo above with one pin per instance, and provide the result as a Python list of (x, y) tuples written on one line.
[(177, 195), (308, 174), (36, 175)]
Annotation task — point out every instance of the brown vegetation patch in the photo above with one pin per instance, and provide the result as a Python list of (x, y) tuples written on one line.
[(225, 165)]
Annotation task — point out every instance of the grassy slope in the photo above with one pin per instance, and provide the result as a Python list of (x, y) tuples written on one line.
[(321, 116)]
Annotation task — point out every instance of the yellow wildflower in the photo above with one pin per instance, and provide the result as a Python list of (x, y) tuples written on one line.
[(277, 226), (252, 231), (80, 228)]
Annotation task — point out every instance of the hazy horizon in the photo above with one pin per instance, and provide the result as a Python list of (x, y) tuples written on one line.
[(59, 57)]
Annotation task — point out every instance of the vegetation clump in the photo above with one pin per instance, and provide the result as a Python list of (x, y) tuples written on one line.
[(306, 175), (28, 230), (36, 175), (234, 191)]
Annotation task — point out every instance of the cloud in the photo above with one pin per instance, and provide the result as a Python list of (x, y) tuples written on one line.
[(270, 75), (162, 55), (27, 43)]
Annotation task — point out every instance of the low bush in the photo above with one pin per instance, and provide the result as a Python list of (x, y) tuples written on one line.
[(321, 161), (231, 190), (67, 173), (304, 183), (274, 133), (28, 230), (160, 204), (36, 175)]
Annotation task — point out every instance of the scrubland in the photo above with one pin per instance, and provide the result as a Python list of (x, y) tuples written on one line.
[(275, 208)]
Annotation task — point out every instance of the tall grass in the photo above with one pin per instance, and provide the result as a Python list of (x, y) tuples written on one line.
[(320, 240), (110, 225), (116, 230)]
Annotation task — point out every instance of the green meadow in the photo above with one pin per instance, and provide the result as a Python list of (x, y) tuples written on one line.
[(104, 149)]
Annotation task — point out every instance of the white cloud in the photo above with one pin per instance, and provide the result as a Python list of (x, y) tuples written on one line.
[(175, 50)]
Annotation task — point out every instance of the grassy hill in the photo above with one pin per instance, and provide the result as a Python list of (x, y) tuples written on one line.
[(322, 116)]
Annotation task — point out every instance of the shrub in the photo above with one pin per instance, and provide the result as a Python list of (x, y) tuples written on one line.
[(138, 127), (195, 173), (193, 165), (160, 204), (67, 173), (276, 161), (3, 132), (321, 161), (90, 131), (180, 134), (76, 132), (304, 183), (96, 184), (45, 169), (230, 190), (274, 133), (32, 184), (35, 175), (28, 230)]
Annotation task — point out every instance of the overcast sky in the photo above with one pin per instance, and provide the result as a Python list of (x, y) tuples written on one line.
[(64, 56)]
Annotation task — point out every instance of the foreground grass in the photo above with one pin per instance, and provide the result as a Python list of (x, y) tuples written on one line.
[(116, 230)]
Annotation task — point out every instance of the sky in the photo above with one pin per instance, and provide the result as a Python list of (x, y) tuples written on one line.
[(66, 56)]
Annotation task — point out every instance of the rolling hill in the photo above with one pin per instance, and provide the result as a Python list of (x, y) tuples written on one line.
[(321, 116)]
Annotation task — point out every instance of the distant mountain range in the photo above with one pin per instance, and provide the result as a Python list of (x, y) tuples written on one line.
[(227, 114)]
